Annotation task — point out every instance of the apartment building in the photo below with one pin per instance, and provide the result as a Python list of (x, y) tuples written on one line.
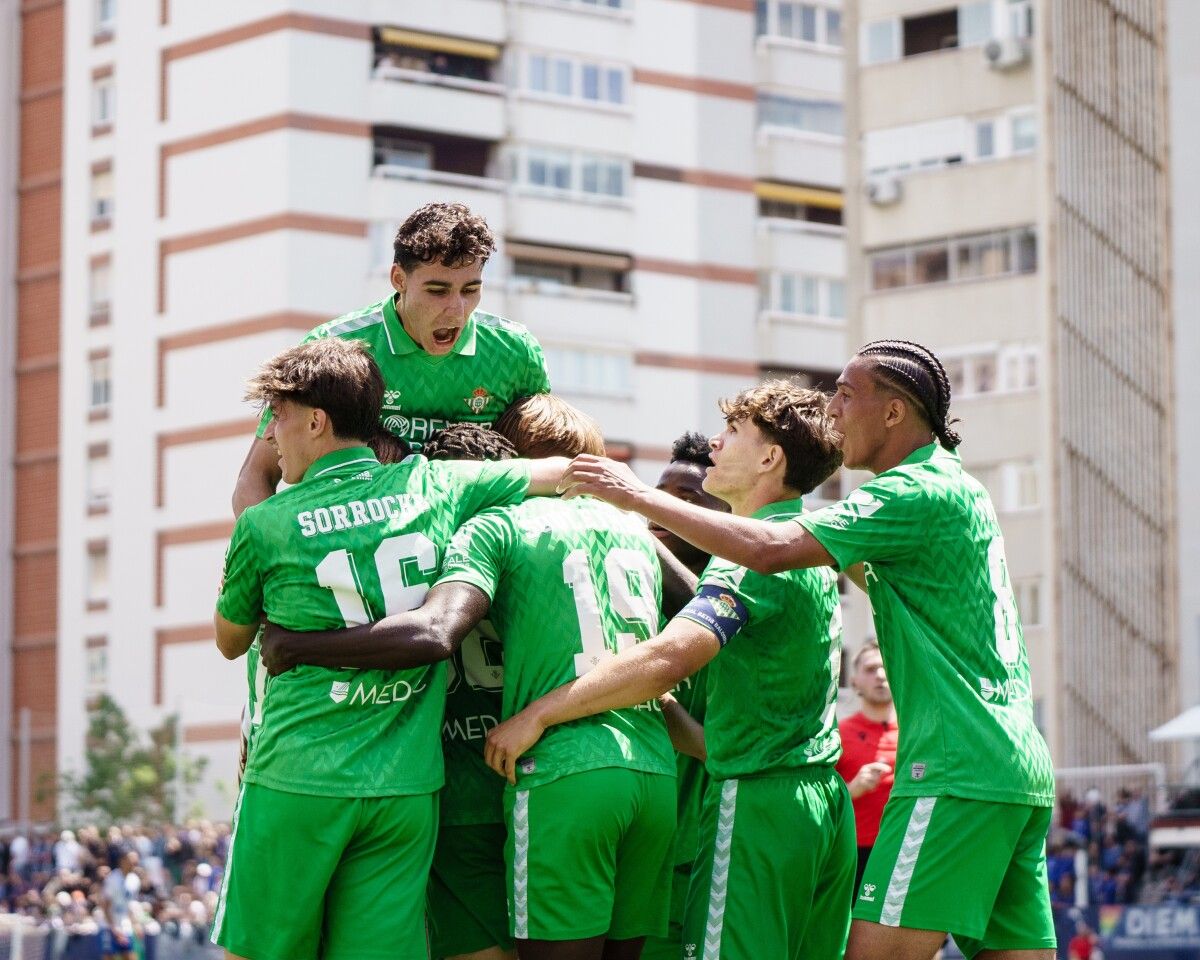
[(198, 184), (1007, 205)]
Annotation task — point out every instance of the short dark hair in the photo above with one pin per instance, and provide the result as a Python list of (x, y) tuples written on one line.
[(387, 447), (915, 371), (692, 447), (445, 233), (544, 425), (330, 374), (468, 441), (793, 417)]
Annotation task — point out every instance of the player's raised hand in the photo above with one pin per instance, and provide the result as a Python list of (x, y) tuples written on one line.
[(603, 478), (509, 740)]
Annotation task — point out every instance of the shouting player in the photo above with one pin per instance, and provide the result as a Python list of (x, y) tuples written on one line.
[(773, 876), (972, 771), (592, 814), (338, 804)]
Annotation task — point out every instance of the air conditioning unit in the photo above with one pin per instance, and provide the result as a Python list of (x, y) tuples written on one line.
[(884, 191), (1007, 53)]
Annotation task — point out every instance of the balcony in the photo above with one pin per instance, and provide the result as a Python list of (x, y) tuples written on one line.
[(562, 217), (798, 156), (395, 191), (816, 342), (820, 247), (794, 65), (484, 17), (961, 198), (556, 311), (429, 101)]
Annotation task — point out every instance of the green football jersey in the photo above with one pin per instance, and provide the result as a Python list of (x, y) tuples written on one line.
[(690, 775), (948, 629), (352, 542), (772, 688), (493, 363), (571, 583), (473, 793)]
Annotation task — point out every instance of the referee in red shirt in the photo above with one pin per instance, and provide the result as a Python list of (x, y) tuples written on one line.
[(868, 749)]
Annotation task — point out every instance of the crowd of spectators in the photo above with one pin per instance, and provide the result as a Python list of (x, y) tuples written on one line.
[(1117, 863), (129, 881)]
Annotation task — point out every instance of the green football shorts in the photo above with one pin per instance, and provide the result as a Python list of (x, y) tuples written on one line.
[(971, 868), (775, 870), (301, 871), (670, 946), (589, 855), (467, 908)]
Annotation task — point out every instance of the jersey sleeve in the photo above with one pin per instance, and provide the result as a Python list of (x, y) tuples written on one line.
[(729, 598), (477, 552), (484, 484), (241, 596), (537, 380), (879, 522)]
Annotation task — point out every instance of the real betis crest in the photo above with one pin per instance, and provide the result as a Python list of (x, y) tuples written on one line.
[(724, 606), (478, 400)]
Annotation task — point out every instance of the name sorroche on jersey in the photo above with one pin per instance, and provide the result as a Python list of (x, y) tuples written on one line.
[(377, 694), (401, 507)]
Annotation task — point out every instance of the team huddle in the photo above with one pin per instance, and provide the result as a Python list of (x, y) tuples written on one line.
[(492, 712)]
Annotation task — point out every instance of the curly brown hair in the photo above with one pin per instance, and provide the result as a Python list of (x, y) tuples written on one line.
[(793, 417), (330, 374), (445, 233)]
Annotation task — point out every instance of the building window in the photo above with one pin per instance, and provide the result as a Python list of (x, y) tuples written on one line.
[(1023, 137), (985, 139), (593, 372), (396, 152), (554, 271), (950, 141), (1028, 594), (570, 172), (980, 256), (793, 20), (106, 16), (99, 277), (1009, 369), (102, 196), (810, 213), (96, 679), (99, 384), (97, 573), (104, 101), (965, 25), (401, 51), (811, 116), (804, 295), (575, 79), (99, 479)]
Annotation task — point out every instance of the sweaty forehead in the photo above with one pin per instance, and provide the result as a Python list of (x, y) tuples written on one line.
[(858, 374)]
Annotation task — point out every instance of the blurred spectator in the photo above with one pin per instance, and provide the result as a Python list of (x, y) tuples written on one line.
[(1083, 944), (67, 853)]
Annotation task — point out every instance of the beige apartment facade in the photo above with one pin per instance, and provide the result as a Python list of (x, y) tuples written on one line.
[(1007, 205)]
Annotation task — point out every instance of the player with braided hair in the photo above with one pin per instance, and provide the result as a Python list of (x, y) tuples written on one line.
[(468, 441), (972, 771)]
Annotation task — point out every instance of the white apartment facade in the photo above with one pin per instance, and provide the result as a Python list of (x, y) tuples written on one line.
[(1006, 207), (664, 177)]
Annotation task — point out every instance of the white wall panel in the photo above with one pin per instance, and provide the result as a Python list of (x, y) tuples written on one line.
[(191, 577), (198, 479), (229, 85)]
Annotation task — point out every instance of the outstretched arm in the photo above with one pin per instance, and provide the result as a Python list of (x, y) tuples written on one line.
[(545, 475), (258, 478), (642, 673), (756, 544), (428, 634)]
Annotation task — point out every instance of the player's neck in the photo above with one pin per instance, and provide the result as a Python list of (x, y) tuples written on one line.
[(746, 503), (332, 445), (898, 449), (879, 712)]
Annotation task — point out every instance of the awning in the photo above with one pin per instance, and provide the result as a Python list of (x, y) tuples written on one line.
[(574, 258), (432, 41), (809, 196), (1186, 726)]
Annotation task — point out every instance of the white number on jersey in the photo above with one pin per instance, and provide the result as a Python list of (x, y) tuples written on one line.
[(394, 557), (630, 585)]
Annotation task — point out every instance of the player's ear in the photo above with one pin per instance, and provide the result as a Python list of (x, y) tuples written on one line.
[(399, 278), (895, 411), (318, 422)]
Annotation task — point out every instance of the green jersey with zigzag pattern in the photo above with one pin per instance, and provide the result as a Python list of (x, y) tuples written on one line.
[(948, 629), (493, 362), (571, 583)]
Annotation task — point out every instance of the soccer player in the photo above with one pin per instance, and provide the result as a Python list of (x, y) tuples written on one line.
[(774, 870), (592, 813), (443, 361), (684, 478), (869, 740), (961, 848), (338, 805), (468, 913)]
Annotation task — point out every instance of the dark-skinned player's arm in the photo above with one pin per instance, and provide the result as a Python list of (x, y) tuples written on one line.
[(427, 634), (678, 582), (258, 478), (687, 733), (640, 673), (756, 544)]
